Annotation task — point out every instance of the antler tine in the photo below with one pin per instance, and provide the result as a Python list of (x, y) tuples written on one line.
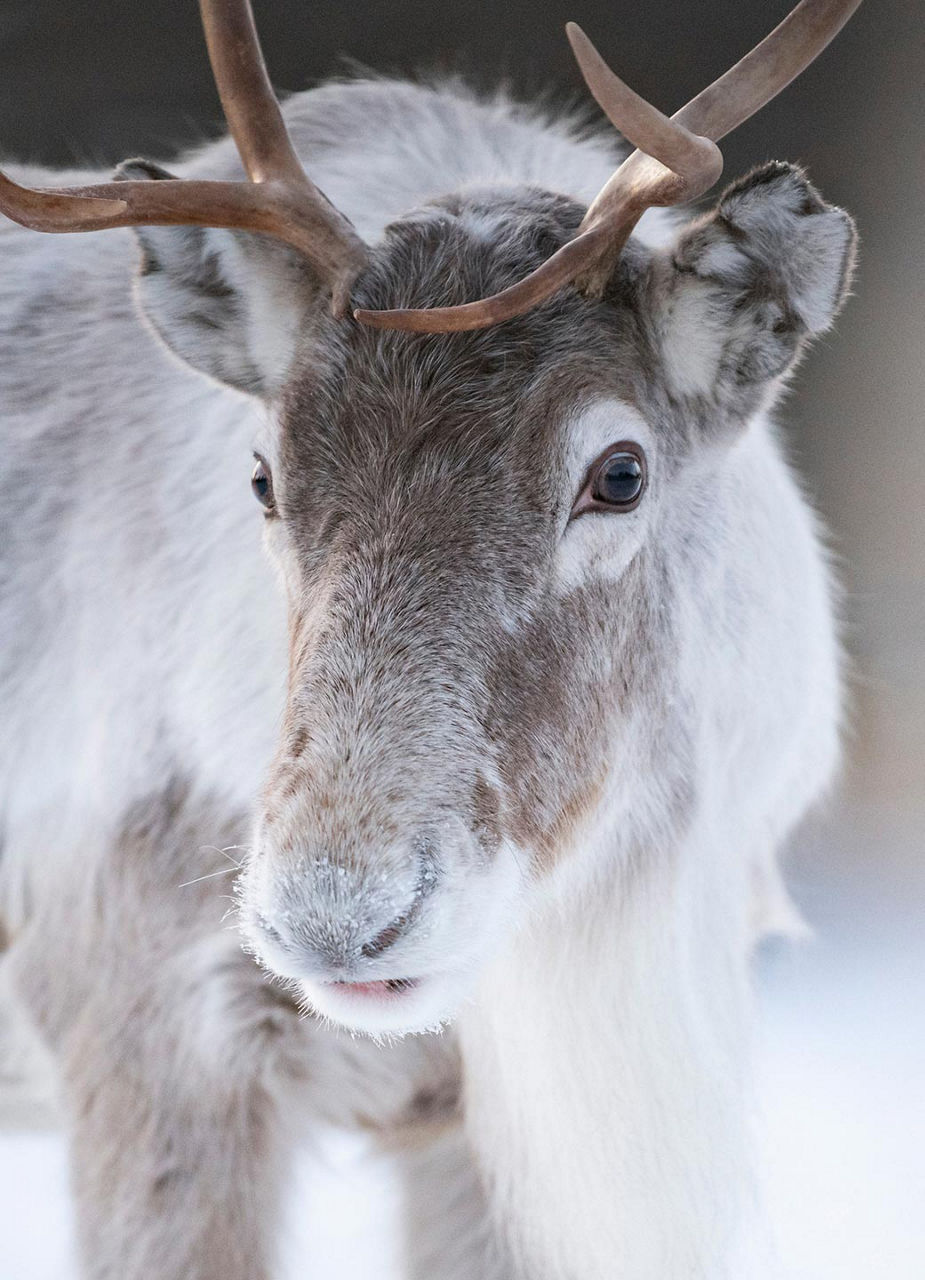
[(693, 158), (725, 104), (247, 97), (675, 161), (279, 201), (758, 77)]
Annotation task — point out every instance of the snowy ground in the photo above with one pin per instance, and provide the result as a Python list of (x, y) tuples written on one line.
[(842, 1083)]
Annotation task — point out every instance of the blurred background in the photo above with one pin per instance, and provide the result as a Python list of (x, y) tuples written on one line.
[(843, 1063)]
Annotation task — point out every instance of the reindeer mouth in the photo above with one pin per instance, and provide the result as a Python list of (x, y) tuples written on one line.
[(387, 1006), (389, 988)]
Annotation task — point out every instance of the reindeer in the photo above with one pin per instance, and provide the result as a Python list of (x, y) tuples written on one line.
[(562, 671)]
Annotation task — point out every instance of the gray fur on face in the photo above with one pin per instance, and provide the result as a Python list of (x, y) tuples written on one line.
[(420, 483), (421, 476)]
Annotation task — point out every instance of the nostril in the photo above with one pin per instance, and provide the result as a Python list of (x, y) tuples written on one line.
[(389, 935), (401, 924)]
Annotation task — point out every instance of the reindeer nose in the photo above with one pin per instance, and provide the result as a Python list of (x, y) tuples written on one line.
[(316, 930), (286, 951)]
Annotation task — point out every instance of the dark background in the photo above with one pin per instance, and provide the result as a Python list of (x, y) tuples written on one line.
[(96, 82)]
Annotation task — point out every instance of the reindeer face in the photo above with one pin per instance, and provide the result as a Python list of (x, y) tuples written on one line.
[(450, 698), (475, 534)]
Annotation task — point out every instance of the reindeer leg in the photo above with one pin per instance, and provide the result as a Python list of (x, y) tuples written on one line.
[(173, 1053)]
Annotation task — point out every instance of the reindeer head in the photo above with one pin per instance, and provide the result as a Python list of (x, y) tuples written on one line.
[(480, 534)]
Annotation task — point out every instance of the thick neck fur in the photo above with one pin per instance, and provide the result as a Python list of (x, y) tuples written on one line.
[(605, 1079)]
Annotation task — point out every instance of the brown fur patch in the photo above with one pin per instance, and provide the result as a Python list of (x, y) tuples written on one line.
[(578, 810)]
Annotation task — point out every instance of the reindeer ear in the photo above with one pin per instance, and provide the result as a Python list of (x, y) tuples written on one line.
[(744, 287), (228, 303)]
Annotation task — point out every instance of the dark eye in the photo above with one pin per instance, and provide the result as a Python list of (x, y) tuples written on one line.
[(616, 480), (262, 484), (620, 479)]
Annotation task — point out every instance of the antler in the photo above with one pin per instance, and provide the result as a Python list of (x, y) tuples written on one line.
[(279, 199), (676, 160)]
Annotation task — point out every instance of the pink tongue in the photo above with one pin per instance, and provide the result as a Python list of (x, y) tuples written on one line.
[(387, 988)]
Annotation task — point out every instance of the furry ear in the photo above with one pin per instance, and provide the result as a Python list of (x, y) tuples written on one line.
[(228, 303), (742, 288)]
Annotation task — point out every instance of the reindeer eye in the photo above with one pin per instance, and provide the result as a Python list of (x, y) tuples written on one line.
[(616, 480), (262, 484), (619, 479)]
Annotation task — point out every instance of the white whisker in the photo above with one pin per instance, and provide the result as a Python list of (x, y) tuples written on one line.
[(213, 848), (225, 871)]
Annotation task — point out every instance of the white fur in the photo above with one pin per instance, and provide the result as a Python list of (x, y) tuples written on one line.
[(602, 548)]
